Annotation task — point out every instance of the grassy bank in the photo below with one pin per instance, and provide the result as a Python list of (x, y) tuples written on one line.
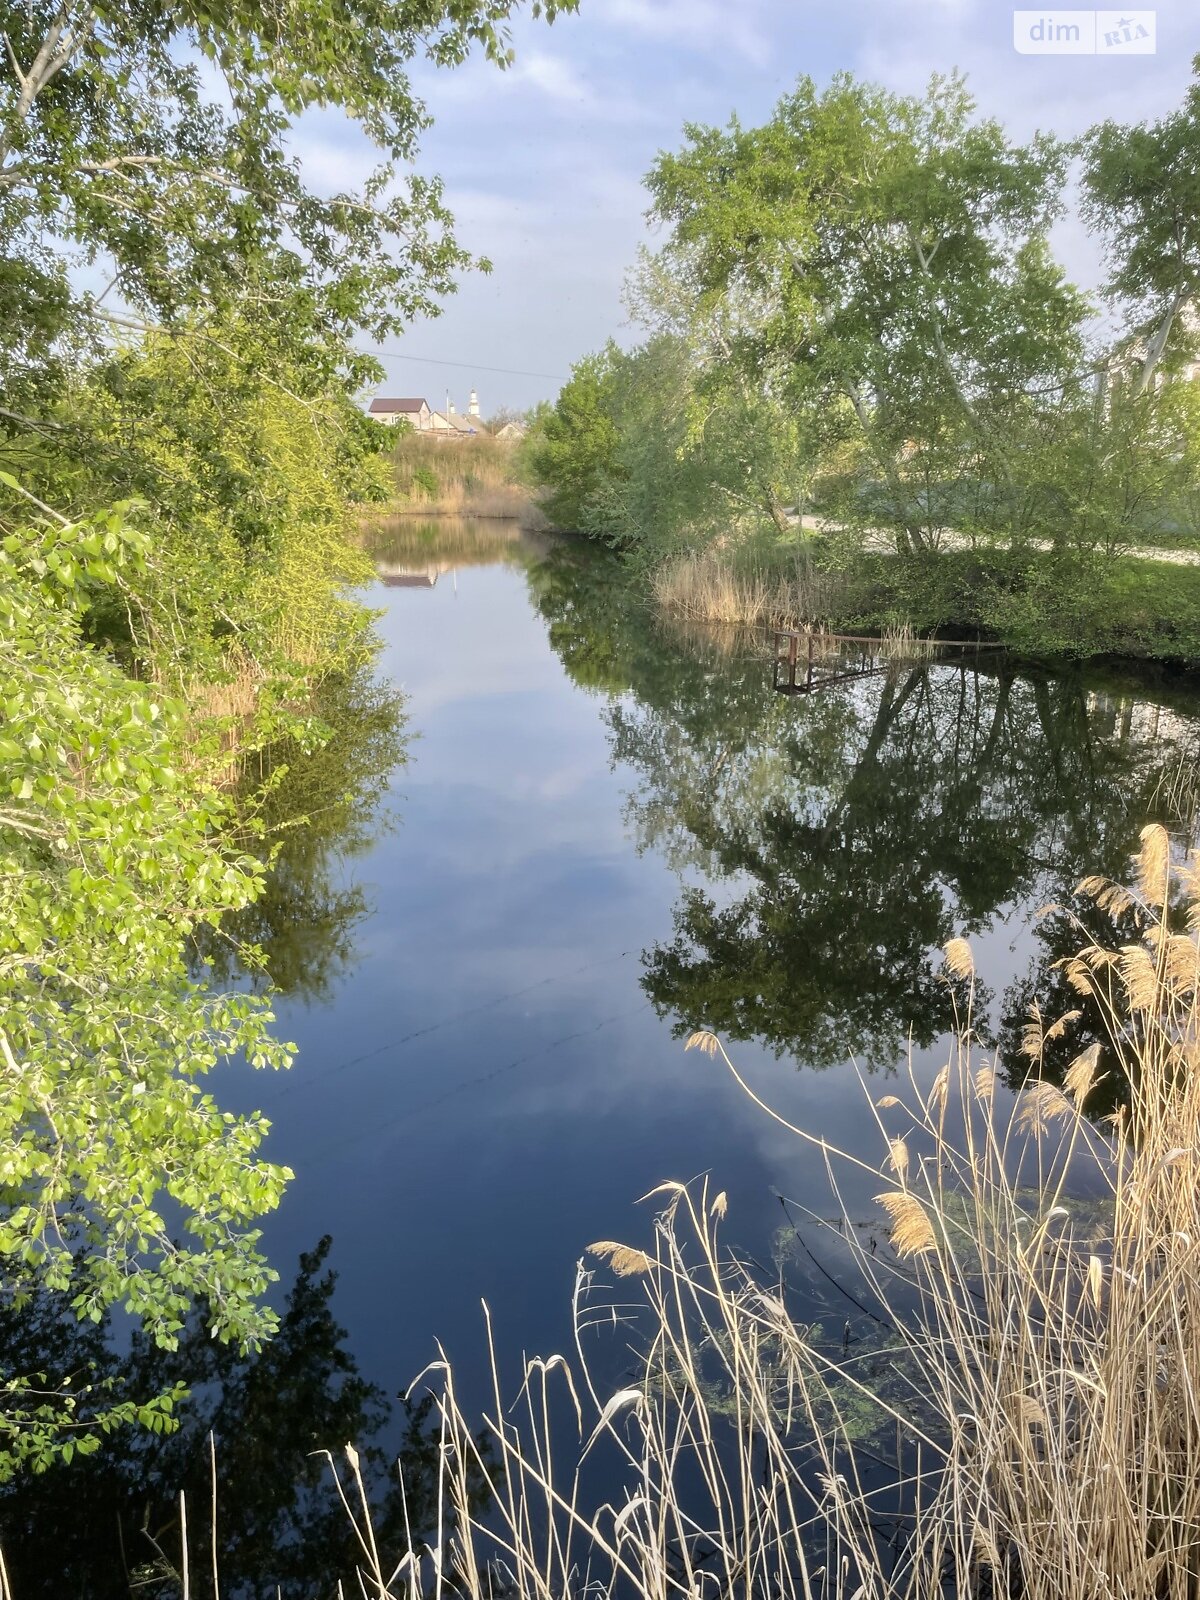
[(1129, 606), (467, 477)]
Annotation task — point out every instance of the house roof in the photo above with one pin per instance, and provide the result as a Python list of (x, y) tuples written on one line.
[(389, 406)]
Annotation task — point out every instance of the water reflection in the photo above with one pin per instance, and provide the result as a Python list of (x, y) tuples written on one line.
[(483, 1086), (416, 552), (108, 1525), (829, 846), (321, 809)]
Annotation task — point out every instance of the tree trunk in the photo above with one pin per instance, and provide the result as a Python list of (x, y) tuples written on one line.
[(1158, 343)]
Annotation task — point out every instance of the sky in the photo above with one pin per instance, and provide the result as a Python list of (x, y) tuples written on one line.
[(543, 163)]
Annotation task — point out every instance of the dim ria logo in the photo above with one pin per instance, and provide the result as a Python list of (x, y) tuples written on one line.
[(1084, 33)]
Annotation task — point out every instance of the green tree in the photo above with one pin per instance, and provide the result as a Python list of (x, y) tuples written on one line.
[(573, 449), (155, 143), (245, 492), (1141, 185), (121, 1178), (178, 454), (891, 250)]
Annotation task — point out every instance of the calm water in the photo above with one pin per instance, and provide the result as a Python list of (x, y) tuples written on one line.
[(607, 832)]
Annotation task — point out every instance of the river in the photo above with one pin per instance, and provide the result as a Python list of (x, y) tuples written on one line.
[(605, 832), (610, 832)]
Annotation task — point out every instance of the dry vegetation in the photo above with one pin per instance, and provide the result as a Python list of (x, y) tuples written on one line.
[(706, 586), (467, 477), (1048, 1425)]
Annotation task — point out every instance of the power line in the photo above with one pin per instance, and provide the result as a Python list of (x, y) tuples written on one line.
[(321, 1079), (409, 1113), (469, 366)]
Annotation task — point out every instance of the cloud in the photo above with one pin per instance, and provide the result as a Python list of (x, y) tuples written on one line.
[(537, 81), (1065, 94), (557, 79), (703, 25)]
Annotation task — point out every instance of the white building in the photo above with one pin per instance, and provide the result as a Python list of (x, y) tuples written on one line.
[(393, 411), (447, 424)]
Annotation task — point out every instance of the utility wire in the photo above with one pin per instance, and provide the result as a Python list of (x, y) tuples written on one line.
[(293, 1087), (409, 1113), (469, 366)]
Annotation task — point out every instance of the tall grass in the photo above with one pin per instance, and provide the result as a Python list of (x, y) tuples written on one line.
[(718, 585), (1177, 792), (467, 477), (1046, 1359)]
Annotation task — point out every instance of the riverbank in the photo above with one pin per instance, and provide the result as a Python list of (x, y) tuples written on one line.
[(1035, 601)]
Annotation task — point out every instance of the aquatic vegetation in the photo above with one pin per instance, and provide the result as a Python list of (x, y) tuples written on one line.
[(712, 585)]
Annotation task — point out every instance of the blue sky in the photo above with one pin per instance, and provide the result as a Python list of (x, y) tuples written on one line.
[(543, 163)]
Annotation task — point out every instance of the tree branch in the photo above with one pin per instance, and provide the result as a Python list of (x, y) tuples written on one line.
[(57, 49)]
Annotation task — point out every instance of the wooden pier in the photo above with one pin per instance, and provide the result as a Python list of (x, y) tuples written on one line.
[(807, 661)]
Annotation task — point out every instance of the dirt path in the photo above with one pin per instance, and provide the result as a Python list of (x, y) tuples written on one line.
[(881, 541)]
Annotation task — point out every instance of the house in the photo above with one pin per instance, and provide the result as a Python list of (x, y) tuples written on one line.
[(415, 412), (1130, 358), (466, 425), (451, 424), (447, 425), (511, 432)]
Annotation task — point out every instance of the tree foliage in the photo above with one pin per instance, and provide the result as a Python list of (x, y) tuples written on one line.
[(110, 855), (855, 314), (181, 455), (155, 143)]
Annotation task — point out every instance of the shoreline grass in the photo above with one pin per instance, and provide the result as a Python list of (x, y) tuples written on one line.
[(718, 586), (1128, 608)]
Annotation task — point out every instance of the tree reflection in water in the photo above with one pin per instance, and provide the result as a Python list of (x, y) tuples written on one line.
[(830, 845), (108, 1525), (322, 807)]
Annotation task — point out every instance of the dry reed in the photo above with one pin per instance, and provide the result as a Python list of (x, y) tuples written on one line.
[(723, 583), (1177, 791), (708, 586), (463, 477)]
